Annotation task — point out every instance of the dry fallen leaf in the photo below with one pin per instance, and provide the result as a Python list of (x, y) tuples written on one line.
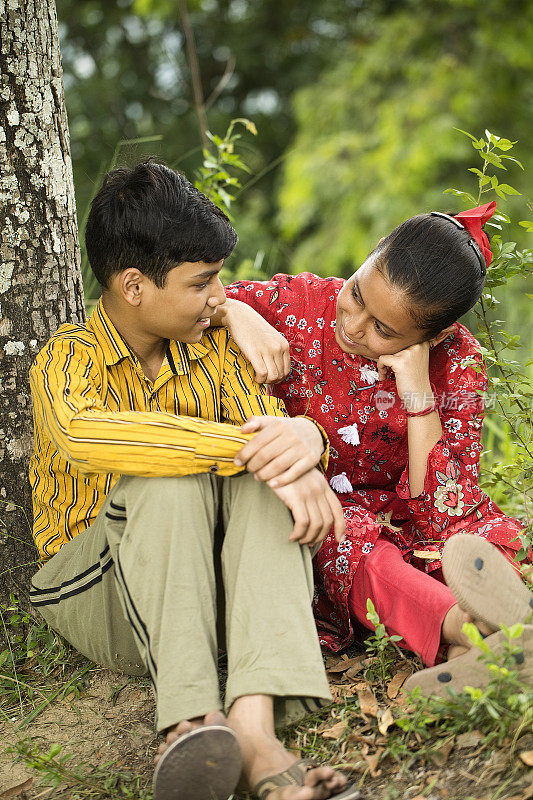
[(527, 757), (367, 700), (358, 737), (528, 794), (385, 519), (352, 672), (440, 754), (373, 762), (344, 664), (385, 720), (337, 692), (397, 682), (468, 739), (427, 555), (335, 732), (15, 791)]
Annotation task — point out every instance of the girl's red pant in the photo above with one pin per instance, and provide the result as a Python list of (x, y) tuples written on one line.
[(409, 602)]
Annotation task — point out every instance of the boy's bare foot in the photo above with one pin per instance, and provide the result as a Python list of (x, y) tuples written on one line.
[(213, 718), (264, 756)]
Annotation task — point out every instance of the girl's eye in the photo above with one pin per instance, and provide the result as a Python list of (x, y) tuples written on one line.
[(380, 330), (202, 285), (355, 295)]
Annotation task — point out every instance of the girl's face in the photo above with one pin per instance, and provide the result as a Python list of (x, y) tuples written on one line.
[(372, 316)]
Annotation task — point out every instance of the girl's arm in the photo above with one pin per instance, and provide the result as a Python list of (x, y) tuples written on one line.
[(277, 303), (265, 348), (411, 372), (449, 495)]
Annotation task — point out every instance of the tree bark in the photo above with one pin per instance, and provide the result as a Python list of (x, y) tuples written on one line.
[(40, 279)]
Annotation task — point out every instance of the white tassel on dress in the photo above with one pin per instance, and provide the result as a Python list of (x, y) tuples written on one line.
[(368, 374), (340, 483), (349, 434)]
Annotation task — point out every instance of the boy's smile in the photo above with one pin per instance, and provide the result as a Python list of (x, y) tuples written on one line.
[(146, 314), (183, 307)]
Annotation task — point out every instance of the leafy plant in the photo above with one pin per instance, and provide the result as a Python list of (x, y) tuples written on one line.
[(214, 178), (500, 710), (509, 381), (380, 645)]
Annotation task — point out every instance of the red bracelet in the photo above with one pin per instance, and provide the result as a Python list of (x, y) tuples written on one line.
[(424, 412)]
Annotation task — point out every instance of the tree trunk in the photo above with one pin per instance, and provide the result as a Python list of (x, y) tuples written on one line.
[(40, 279)]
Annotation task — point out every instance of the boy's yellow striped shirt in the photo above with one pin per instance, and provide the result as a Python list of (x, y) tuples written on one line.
[(96, 417)]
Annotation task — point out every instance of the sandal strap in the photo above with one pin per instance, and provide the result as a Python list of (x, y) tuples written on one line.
[(293, 776)]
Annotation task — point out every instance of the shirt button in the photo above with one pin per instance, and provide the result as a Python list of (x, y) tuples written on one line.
[(213, 468)]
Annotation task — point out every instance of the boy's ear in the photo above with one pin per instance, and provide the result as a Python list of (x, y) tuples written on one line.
[(130, 284), (441, 335)]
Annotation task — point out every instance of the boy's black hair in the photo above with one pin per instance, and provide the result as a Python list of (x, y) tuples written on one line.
[(152, 218), (431, 260)]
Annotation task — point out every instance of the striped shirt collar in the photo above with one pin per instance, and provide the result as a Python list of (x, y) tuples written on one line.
[(115, 348)]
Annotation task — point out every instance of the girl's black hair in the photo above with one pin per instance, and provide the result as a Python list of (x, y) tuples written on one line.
[(433, 263), (151, 218)]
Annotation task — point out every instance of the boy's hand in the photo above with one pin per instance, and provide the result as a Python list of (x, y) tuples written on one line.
[(282, 450), (314, 507)]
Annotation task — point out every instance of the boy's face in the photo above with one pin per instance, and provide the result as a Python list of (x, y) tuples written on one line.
[(183, 307)]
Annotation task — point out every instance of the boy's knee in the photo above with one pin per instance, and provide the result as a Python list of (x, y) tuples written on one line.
[(162, 489)]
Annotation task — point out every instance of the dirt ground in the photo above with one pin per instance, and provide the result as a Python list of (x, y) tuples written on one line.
[(112, 721)]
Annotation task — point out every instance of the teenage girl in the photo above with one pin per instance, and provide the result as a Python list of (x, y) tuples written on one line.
[(397, 383)]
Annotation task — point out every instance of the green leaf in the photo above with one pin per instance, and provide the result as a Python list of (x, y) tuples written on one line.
[(466, 134), (515, 631), (493, 159), (505, 144), (475, 637), (514, 160), (509, 189)]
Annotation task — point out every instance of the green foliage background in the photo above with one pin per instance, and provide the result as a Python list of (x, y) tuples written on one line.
[(356, 103)]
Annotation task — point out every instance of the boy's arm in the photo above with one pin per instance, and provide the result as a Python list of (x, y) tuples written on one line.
[(283, 449), (66, 384)]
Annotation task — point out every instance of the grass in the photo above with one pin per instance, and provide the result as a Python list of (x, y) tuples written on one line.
[(79, 781), (373, 733), (382, 748)]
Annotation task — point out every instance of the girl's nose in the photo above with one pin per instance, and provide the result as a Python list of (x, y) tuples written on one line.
[(354, 328)]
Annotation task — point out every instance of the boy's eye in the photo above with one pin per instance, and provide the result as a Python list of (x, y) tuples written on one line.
[(202, 285)]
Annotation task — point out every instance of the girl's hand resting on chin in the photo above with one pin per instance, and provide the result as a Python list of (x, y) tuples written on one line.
[(411, 372)]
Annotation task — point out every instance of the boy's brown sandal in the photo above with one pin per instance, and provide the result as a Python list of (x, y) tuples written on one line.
[(484, 582), (295, 776), (468, 670), (203, 763)]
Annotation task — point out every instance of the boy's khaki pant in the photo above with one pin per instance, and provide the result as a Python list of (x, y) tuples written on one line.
[(136, 592)]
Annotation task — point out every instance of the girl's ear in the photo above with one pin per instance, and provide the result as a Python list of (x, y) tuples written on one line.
[(441, 336)]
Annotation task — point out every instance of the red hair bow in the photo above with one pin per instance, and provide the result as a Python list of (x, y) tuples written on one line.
[(473, 219)]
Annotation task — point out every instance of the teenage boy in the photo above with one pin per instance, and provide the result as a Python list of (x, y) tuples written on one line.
[(140, 442)]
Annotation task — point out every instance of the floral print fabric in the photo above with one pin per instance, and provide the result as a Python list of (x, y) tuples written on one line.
[(367, 428)]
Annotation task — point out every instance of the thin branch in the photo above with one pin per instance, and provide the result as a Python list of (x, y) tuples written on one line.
[(223, 82), (192, 56)]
